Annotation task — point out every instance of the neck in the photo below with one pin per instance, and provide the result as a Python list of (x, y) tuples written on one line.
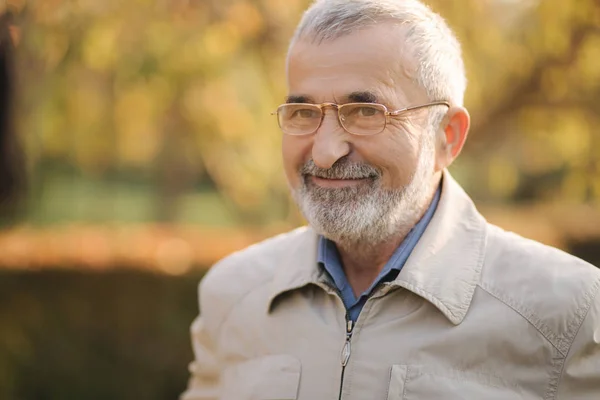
[(362, 264), (364, 261)]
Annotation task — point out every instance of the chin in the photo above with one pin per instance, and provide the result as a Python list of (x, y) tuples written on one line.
[(365, 219)]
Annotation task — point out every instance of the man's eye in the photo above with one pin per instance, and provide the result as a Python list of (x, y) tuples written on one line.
[(305, 113), (367, 111)]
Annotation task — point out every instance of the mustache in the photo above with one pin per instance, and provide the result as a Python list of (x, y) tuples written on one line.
[(342, 169)]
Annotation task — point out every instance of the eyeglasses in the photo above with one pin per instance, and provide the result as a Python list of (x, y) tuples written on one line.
[(356, 118)]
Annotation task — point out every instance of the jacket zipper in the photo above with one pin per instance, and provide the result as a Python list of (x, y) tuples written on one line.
[(346, 351)]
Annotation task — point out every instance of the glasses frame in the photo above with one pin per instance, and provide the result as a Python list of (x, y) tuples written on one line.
[(337, 107)]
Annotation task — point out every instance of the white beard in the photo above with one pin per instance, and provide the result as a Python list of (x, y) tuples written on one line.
[(368, 214)]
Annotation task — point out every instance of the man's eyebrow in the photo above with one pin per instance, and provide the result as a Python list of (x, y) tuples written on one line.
[(298, 99), (362, 97)]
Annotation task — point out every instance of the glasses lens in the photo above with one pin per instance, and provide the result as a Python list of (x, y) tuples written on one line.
[(299, 119), (363, 119)]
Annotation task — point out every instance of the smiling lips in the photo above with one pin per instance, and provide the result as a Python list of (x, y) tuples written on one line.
[(335, 183)]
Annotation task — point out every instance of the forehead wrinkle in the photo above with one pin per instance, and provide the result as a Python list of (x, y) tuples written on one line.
[(401, 87), (395, 82)]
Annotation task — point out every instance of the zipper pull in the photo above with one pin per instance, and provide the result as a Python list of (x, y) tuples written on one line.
[(347, 350)]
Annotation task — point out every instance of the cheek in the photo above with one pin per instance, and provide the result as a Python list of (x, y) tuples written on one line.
[(295, 152), (396, 153)]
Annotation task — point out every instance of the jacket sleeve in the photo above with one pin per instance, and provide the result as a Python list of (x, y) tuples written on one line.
[(581, 373), (205, 370)]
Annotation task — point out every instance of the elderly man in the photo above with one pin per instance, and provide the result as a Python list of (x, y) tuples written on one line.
[(399, 289)]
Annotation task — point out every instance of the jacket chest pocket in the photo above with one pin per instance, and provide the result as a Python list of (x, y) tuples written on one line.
[(420, 383), (273, 377)]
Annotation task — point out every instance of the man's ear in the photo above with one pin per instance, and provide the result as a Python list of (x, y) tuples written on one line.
[(455, 128)]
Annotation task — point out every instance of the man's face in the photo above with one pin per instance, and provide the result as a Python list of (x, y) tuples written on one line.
[(359, 188)]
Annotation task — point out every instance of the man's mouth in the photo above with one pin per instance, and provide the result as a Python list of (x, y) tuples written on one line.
[(336, 183)]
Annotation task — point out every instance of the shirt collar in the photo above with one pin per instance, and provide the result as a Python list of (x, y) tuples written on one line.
[(443, 268)]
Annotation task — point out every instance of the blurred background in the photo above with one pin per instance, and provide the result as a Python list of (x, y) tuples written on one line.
[(139, 149)]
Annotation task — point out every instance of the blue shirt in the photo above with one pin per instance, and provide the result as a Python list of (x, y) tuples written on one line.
[(329, 258)]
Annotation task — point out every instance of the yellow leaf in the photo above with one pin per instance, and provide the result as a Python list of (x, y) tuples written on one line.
[(100, 45)]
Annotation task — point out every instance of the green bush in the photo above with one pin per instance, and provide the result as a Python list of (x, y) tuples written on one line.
[(83, 335)]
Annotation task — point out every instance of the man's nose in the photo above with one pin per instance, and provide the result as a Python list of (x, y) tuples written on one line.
[(330, 142)]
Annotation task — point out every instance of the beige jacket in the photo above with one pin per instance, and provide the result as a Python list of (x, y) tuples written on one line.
[(476, 313)]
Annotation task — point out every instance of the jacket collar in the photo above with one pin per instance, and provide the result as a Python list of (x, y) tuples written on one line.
[(443, 268)]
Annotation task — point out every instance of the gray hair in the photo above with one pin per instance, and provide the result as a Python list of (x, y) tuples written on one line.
[(440, 68)]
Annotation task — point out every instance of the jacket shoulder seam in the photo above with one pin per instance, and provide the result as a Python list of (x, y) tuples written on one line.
[(580, 314), (238, 300), (527, 315), (573, 330), (242, 256)]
